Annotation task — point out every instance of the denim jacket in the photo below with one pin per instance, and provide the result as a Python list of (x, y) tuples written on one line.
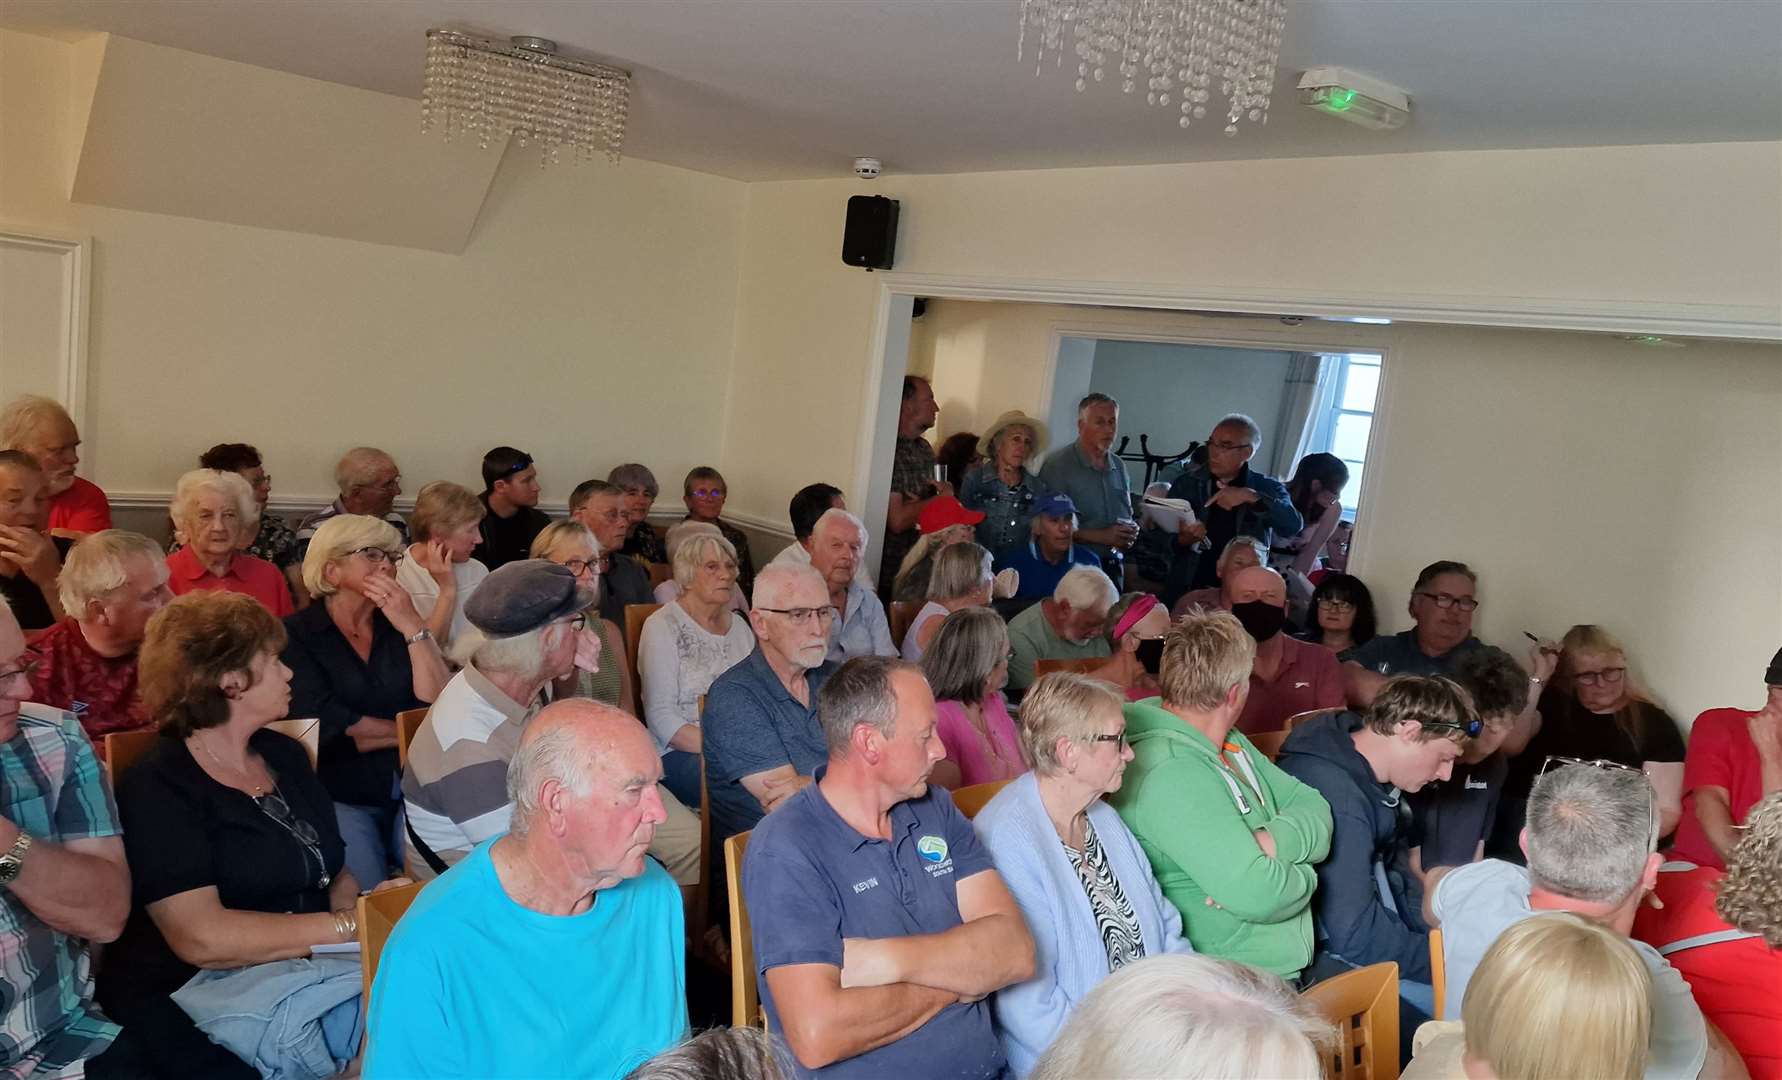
[(1273, 516), (1008, 511), (297, 1019)]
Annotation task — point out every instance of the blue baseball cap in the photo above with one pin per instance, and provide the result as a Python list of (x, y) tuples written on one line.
[(1056, 505)]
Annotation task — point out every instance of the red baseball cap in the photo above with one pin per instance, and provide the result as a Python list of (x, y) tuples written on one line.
[(943, 511)]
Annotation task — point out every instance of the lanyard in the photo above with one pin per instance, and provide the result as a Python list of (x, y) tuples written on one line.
[(1231, 782)]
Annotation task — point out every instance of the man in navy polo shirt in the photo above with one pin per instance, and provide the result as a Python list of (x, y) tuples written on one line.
[(1442, 602), (879, 923), (1049, 553)]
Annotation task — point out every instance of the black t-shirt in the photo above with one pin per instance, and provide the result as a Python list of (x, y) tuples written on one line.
[(184, 831), (508, 539), (1641, 733), (1453, 815), (625, 582), (331, 683), (27, 601)]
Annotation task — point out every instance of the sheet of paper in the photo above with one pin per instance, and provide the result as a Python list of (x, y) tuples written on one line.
[(1167, 514)]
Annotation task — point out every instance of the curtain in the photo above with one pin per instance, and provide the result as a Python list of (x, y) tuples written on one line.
[(1311, 391)]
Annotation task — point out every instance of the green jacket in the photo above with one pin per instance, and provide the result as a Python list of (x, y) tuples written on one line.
[(1183, 804)]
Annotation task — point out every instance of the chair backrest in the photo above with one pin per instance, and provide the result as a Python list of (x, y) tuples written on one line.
[(1299, 718), (635, 614), (1363, 1004), (971, 799), (702, 892), (900, 614), (378, 914), (307, 731), (408, 721), (1269, 742), (1046, 667), (659, 573), (124, 748), (1438, 971), (745, 996)]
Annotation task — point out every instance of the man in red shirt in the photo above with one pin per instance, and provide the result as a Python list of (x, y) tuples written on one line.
[(42, 428), (111, 583), (1290, 676), (1734, 759)]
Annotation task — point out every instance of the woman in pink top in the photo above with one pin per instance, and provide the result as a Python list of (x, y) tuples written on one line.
[(967, 665)]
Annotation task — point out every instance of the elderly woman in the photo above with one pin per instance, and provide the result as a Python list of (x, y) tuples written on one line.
[(275, 541), (961, 579), (679, 533), (944, 521), (1137, 624), (705, 492), (684, 646), (638, 483), (571, 544), (235, 859), (357, 658), (214, 514), (967, 665), (439, 575), (1078, 873), (1001, 487)]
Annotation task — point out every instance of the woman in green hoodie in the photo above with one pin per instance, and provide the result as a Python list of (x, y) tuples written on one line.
[(1232, 840)]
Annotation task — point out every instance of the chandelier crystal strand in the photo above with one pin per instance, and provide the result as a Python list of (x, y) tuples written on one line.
[(491, 90), (1178, 49)]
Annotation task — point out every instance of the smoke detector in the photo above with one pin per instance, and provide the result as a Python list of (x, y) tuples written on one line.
[(867, 168)]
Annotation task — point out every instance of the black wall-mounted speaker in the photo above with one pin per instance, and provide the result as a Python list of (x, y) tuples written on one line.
[(869, 237)]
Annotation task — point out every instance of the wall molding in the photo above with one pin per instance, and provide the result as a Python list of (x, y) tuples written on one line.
[(76, 278)]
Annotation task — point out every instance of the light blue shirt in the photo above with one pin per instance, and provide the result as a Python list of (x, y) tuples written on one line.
[(862, 629), (1103, 496), (472, 984)]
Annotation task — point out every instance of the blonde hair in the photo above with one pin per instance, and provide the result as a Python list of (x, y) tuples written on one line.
[(1204, 656), (1559, 996), (217, 481), (99, 564), (1063, 705), (339, 537), (558, 532), (22, 417), (694, 551), (441, 507), (1189, 1016)]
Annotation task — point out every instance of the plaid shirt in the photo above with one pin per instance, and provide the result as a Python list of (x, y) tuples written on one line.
[(51, 788)]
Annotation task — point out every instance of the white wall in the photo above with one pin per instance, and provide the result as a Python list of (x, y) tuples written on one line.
[(1176, 393)]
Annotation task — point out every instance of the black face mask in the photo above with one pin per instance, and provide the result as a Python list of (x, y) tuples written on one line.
[(1150, 654), (1262, 620)]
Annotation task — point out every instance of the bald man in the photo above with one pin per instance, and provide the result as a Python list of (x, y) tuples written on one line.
[(1290, 676), (556, 948)]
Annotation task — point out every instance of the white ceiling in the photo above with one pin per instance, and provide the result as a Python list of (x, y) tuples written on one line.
[(769, 89)]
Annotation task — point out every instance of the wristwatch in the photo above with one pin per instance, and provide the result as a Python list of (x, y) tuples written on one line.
[(14, 860)]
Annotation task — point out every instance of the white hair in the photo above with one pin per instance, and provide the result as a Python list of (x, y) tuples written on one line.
[(359, 466), (692, 553), (1238, 419), (682, 531), (1086, 588), (213, 481), (521, 655), (26, 413), (836, 515), (776, 582), (99, 564), (562, 754)]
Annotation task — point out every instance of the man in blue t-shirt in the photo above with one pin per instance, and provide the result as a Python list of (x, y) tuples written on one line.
[(869, 877), (556, 948), (1049, 553)]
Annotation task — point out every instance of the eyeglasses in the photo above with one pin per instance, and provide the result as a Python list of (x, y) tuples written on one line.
[(1606, 677), (392, 484), (1227, 447), (275, 807), (1337, 606), (581, 566), (27, 669), (1556, 761), (708, 493), (1470, 729), (1444, 601), (1120, 738), (376, 555), (803, 614)]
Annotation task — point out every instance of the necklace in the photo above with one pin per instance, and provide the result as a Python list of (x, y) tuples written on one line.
[(259, 789)]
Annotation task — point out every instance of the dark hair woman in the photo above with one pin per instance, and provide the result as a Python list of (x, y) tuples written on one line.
[(1342, 615)]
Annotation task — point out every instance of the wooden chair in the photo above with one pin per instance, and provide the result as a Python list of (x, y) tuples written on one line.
[(635, 614), (1042, 668), (901, 613), (124, 749), (659, 573), (1438, 971), (1269, 742), (971, 799), (702, 892), (745, 996), (408, 721), (306, 731), (1363, 1004), (378, 914)]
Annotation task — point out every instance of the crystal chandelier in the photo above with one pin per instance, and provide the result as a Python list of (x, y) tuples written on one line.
[(1178, 50), (489, 90)]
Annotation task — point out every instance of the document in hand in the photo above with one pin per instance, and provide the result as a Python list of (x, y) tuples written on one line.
[(1166, 513)]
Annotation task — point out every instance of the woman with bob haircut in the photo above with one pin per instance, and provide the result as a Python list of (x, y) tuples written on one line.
[(572, 545), (961, 579), (438, 573), (1190, 1018), (1341, 617), (967, 666), (214, 518), (235, 858), (1079, 875)]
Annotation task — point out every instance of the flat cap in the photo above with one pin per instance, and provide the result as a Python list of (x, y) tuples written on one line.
[(525, 595)]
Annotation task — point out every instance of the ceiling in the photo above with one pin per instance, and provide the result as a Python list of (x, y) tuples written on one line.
[(774, 89)]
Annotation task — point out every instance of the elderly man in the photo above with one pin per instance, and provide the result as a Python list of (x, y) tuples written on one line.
[(810, 503), (1591, 837), (1289, 676), (530, 617), (510, 493), (1070, 624), (1369, 906), (1241, 552), (555, 949), (912, 477), (860, 628), (1049, 553), (111, 583), (1229, 499), (761, 739), (1242, 876), (368, 481), (42, 428), (30, 559), (601, 507), (63, 882), (1094, 477), (880, 924)]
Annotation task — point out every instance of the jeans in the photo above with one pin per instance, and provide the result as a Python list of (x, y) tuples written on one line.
[(375, 839), (680, 775)]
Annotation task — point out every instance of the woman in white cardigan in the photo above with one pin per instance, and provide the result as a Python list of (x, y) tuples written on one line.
[(1077, 871)]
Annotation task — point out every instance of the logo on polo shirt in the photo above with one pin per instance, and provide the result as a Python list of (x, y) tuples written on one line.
[(932, 848), (1475, 785)]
